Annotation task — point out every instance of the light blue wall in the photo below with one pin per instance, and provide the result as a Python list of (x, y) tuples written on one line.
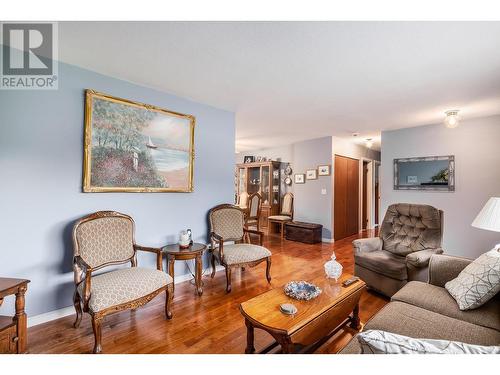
[(41, 151), (477, 177)]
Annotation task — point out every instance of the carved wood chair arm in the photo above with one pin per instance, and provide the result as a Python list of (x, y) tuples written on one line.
[(214, 237), (257, 232), (78, 260), (157, 251), (87, 286)]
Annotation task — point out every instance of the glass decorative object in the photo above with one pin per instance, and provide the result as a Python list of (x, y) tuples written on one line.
[(333, 269), (301, 290)]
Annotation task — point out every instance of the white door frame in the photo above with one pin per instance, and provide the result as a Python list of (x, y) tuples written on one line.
[(370, 192)]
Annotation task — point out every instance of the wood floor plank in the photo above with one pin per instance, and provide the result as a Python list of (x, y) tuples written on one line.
[(211, 323)]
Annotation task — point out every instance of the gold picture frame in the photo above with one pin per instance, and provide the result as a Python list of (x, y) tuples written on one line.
[(179, 151)]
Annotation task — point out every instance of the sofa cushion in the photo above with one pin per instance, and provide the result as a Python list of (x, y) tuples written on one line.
[(478, 282), (243, 253), (408, 320), (123, 285), (381, 342), (411, 227), (383, 262), (434, 298)]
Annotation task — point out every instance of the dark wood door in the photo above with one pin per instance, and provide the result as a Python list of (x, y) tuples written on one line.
[(346, 197)]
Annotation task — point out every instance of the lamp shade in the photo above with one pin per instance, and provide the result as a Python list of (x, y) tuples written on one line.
[(489, 217)]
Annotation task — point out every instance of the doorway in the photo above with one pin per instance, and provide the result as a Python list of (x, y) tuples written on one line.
[(346, 197), (365, 197), (377, 193)]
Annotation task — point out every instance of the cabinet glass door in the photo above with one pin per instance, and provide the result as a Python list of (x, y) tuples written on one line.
[(242, 181), (265, 185), (253, 180)]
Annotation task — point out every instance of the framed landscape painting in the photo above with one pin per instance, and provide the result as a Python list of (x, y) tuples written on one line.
[(135, 147)]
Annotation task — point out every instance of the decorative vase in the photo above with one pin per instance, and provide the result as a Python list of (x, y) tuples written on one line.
[(333, 269)]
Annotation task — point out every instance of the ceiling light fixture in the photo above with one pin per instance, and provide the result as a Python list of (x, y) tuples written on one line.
[(369, 142), (451, 119)]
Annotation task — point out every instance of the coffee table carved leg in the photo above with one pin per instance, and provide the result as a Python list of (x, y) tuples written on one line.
[(250, 349), (198, 272), (355, 321), (287, 346), (171, 261)]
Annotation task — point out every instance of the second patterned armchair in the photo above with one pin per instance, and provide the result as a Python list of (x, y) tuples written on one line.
[(227, 224)]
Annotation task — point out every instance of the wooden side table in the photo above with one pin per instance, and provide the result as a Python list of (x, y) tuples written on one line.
[(13, 330), (195, 251)]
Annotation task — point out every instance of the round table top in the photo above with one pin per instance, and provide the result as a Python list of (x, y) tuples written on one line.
[(176, 249)]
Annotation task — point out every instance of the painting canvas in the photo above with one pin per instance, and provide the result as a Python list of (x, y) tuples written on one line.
[(136, 147)]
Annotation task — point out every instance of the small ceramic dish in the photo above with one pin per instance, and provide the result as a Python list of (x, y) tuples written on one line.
[(301, 290)]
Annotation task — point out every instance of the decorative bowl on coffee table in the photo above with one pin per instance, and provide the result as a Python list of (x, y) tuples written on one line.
[(301, 290)]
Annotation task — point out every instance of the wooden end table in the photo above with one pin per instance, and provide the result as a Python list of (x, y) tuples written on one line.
[(195, 251), (13, 330), (314, 323)]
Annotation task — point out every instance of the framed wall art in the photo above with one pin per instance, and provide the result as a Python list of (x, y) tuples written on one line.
[(425, 173), (135, 147), (311, 174), (324, 170), (300, 178)]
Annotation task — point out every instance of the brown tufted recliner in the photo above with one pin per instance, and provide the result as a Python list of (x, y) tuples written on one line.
[(409, 235)]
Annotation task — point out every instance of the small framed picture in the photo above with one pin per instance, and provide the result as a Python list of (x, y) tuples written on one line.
[(311, 174), (300, 178), (248, 159), (324, 170)]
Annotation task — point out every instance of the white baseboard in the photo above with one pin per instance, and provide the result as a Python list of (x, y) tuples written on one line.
[(327, 240), (70, 310)]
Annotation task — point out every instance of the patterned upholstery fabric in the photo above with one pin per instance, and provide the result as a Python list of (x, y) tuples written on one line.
[(280, 218), (478, 282), (243, 253), (228, 223), (287, 204), (411, 227), (103, 240), (381, 342), (254, 205), (123, 285)]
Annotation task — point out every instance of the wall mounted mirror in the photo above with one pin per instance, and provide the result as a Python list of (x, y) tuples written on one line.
[(426, 173)]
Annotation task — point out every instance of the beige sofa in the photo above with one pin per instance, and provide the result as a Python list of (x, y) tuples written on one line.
[(426, 310)]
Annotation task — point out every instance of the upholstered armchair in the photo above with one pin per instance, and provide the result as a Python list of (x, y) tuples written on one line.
[(409, 235), (285, 215), (227, 224), (104, 239), (253, 212)]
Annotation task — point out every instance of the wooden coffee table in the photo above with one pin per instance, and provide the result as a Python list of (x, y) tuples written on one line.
[(315, 321)]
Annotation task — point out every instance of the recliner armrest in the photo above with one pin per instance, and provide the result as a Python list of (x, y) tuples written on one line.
[(366, 245), (420, 259)]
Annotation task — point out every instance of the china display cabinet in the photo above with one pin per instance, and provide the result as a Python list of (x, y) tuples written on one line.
[(263, 178)]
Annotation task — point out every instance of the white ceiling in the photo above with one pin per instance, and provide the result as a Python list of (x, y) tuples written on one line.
[(290, 81)]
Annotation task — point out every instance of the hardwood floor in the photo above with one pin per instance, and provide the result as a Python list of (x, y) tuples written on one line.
[(211, 323)]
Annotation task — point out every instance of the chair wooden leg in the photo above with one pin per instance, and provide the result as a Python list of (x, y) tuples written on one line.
[(213, 265), (268, 269), (282, 230), (96, 326), (169, 295), (78, 308), (228, 279)]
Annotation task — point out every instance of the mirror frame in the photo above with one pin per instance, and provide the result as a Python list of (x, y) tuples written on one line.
[(451, 174)]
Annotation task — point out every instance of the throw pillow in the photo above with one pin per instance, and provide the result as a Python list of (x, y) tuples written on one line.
[(478, 282), (381, 342)]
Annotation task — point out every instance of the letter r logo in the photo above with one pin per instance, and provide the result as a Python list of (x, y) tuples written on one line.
[(27, 48)]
